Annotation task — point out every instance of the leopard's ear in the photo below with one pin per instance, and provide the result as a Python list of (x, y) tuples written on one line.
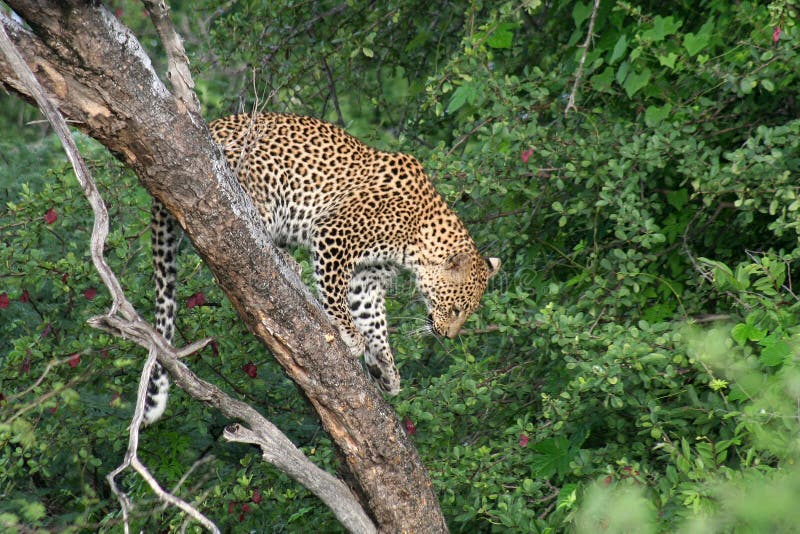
[(458, 263), (494, 266)]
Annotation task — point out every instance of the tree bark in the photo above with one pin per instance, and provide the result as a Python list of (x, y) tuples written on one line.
[(103, 81)]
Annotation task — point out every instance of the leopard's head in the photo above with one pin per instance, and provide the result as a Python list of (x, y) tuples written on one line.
[(453, 289)]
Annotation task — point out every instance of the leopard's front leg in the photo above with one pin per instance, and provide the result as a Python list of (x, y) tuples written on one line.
[(367, 291), (332, 283)]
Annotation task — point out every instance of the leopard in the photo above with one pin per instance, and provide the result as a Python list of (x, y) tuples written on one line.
[(363, 213)]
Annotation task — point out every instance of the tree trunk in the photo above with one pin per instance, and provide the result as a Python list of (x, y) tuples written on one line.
[(101, 78)]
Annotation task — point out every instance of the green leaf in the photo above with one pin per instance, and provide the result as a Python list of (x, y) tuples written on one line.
[(554, 457), (461, 96), (694, 43), (775, 351), (678, 199), (662, 27), (768, 85), (603, 80), (653, 117), (502, 36), (619, 49), (668, 60), (580, 13), (747, 84), (743, 332), (636, 81)]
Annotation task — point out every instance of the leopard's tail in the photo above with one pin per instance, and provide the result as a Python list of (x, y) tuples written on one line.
[(164, 239)]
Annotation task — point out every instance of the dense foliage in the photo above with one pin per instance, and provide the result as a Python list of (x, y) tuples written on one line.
[(635, 368)]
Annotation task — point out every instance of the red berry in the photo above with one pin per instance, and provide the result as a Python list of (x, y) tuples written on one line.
[(526, 155), (523, 440), (50, 216), (251, 370), (74, 360), (90, 293), (408, 424), (4, 301), (198, 299), (256, 498)]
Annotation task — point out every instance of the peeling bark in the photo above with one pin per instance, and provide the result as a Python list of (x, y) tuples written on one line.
[(101, 79)]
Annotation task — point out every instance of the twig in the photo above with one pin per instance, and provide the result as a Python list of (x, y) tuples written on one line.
[(332, 88), (579, 72)]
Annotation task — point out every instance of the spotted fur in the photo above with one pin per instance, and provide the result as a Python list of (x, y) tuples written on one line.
[(363, 213)]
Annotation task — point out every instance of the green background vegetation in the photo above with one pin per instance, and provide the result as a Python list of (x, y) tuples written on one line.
[(633, 369)]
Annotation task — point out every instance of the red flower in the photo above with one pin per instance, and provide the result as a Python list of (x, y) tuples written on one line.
[(25, 297), (198, 299), (256, 498), (50, 216), (776, 34), (4, 301), (526, 155), (90, 293), (251, 370), (74, 360), (246, 508), (523, 440), (408, 424)]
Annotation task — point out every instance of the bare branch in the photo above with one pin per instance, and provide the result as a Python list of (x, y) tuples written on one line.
[(579, 72), (132, 459), (178, 64)]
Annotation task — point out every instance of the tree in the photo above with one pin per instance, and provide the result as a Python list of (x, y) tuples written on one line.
[(130, 111)]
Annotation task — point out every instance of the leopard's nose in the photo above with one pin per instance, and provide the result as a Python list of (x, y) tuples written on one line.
[(453, 331)]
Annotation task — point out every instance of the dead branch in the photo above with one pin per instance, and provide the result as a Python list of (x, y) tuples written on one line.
[(579, 72)]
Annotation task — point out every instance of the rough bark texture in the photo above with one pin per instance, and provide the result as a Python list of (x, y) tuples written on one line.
[(102, 80)]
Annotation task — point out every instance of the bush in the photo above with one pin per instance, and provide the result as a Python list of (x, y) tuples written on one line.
[(635, 366)]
